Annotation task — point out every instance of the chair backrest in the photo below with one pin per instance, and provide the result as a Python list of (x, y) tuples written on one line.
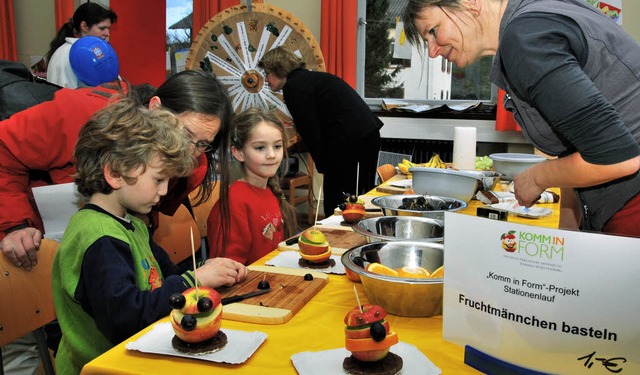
[(386, 171), (174, 234), (201, 212), (27, 297), (393, 158)]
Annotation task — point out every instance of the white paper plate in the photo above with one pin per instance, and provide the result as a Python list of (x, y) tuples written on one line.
[(405, 184), (330, 361), (531, 212), (290, 259), (240, 344)]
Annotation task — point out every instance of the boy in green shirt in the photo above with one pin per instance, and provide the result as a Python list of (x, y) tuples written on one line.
[(110, 279)]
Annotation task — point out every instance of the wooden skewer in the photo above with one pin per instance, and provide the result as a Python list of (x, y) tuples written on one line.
[(317, 209), (357, 298), (193, 256), (357, 178)]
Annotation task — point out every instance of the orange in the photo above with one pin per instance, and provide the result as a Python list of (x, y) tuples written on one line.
[(438, 273), (413, 272), (381, 269)]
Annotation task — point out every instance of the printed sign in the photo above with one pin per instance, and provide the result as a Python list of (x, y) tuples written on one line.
[(544, 299)]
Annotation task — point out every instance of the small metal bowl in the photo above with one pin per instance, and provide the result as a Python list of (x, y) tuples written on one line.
[(401, 296), (395, 228), (390, 205)]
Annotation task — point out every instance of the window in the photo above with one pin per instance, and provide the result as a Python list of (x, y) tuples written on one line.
[(419, 78)]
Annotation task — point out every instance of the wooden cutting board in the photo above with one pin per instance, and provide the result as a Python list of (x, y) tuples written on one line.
[(289, 293), (390, 189), (340, 239)]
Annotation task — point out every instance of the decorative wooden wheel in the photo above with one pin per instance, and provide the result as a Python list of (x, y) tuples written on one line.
[(232, 43)]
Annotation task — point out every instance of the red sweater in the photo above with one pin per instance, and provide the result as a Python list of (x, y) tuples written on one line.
[(36, 148), (256, 226)]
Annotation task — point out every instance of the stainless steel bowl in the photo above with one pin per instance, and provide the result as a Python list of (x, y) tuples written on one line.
[(399, 295), (395, 228), (390, 205)]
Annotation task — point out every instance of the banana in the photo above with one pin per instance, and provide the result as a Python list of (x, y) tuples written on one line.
[(404, 169)]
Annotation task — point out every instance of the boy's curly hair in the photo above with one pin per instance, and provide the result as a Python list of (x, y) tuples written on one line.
[(281, 62), (125, 136)]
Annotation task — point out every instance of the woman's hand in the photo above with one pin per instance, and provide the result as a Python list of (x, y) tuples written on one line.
[(219, 272), (21, 247)]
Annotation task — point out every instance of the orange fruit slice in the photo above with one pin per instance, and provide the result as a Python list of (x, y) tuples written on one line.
[(438, 273), (381, 269), (413, 272)]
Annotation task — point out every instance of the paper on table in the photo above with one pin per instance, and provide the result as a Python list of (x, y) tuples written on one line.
[(240, 344), (531, 212), (330, 361), (290, 259), (56, 204)]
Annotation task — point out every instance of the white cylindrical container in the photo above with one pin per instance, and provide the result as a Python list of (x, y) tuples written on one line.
[(464, 147)]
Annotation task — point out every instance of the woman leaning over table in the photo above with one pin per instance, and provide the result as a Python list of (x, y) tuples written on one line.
[(36, 148), (572, 78)]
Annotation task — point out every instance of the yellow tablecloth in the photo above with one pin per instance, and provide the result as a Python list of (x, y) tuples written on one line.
[(317, 326)]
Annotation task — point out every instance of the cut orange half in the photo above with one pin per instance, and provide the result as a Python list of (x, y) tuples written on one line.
[(413, 272), (438, 273), (381, 269)]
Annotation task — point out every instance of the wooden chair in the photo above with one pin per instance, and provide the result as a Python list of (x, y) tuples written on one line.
[(386, 171), (300, 180), (27, 301), (174, 234)]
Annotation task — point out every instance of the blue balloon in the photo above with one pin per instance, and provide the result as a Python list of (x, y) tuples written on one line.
[(94, 61)]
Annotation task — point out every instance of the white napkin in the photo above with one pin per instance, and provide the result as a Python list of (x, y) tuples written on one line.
[(240, 344), (290, 259), (330, 361)]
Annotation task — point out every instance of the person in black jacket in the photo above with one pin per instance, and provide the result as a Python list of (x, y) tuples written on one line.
[(336, 125)]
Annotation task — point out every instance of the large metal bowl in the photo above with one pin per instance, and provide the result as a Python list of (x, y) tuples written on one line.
[(398, 295), (390, 205), (396, 228), (443, 182)]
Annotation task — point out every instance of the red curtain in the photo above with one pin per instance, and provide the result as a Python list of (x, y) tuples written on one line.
[(204, 10), (338, 38), (8, 49), (139, 39), (64, 12), (504, 118)]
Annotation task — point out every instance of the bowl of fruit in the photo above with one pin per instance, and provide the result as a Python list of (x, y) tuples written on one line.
[(404, 277), (429, 206), (397, 228)]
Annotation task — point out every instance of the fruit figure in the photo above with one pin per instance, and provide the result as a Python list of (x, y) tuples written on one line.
[(352, 209), (196, 317), (367, 334), (314, 246)]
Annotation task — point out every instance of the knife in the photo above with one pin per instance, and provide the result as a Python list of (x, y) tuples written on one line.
[(240, 297)]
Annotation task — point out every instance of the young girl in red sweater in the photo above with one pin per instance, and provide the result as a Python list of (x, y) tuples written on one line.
[(260, 216)]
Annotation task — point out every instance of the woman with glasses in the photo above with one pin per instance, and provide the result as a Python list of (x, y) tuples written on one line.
[(36, 147)]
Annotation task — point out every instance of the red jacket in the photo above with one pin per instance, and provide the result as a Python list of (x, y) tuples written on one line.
[(36, 148)]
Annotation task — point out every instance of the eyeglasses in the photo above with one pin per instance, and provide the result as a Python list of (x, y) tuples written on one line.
[(202, 146)]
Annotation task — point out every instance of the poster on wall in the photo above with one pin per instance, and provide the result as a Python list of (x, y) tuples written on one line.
[(542, 299), (612, 8)]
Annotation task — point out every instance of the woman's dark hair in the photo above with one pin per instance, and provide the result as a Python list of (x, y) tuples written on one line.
[(200, 92), (91, 13)]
